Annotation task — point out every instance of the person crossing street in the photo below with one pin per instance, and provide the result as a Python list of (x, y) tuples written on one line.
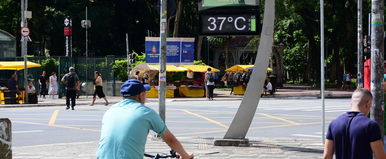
[(72, 85)]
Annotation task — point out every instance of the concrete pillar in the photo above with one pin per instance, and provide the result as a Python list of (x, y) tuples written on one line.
[(5, 138)]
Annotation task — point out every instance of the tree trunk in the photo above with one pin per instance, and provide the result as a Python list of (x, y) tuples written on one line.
[(199, 47), (377, 51), (177, 20), (226, 54), (306, 73), (279, 69), (43, 46)]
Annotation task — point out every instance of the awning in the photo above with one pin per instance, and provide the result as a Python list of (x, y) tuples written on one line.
[(144, 67), (171, 68), (243, 68), (16, 65), (148, 67), (239, 68), (199, 68)]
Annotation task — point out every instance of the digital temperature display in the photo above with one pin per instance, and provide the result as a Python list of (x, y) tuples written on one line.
[(243, 24)]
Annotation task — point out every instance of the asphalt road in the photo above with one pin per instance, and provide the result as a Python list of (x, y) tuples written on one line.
[(295, 118)]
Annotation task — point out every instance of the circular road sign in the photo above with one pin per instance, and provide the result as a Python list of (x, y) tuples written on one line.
[(25, 31)]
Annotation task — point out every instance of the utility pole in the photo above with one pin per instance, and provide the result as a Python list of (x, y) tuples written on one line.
[(128, 56), (24, 41), (86, 45), (360, 46), (377, 51), (322, 66), (162, 60)]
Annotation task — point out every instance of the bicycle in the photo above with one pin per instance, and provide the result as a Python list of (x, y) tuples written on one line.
[(172, 154)]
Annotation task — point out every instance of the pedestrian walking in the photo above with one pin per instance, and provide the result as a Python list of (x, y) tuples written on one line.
[(43, 84), (98, 88), (53, 88), (209, 83), (353, 135), (126, 125), (72, 85)]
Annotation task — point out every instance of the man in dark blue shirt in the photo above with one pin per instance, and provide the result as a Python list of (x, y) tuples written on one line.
[(352, 135), (12, 83)]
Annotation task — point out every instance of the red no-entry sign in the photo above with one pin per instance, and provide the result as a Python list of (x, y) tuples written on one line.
[(24, 31)]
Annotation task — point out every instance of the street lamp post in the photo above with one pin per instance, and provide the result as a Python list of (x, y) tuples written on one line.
[(86, 24)]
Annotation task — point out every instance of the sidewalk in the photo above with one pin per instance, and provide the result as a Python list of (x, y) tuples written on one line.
[(202, 148), (220, 95)]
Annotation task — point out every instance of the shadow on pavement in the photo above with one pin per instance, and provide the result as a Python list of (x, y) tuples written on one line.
[(258, 144)]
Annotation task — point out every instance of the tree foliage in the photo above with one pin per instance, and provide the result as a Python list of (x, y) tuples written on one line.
[(296, 28)]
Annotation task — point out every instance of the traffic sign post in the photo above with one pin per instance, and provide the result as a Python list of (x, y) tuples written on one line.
[(67, 31), (24, 31)]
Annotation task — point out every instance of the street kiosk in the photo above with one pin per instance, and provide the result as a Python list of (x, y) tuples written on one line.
[(195, 89), (7, 96)]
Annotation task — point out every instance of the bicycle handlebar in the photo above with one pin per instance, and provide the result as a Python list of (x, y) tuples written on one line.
[(172, 154)]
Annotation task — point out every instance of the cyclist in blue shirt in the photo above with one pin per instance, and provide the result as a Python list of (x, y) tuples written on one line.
[(126, 125), (353, 135)]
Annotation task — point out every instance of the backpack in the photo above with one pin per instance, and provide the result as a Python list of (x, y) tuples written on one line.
[(71, 81), (211, 78)]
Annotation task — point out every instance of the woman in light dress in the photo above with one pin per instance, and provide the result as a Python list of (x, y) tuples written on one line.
[(53, 90)]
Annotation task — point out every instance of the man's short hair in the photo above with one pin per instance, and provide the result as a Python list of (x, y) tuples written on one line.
[(361, 96), (364, 92)]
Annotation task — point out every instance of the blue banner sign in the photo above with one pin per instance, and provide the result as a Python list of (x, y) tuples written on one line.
[(180, 51)]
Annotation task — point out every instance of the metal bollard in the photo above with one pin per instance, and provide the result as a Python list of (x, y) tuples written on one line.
[(5, 138)]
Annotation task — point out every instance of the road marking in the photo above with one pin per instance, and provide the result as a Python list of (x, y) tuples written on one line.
[(58, 126), (201, 133), (279, 126), (27, 119), (305, 135), (206, 118), (251, 128), (30, 131), (278, 118), (53, 117), (181, 121)]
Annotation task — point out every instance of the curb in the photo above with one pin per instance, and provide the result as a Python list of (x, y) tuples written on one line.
[(179, 100)]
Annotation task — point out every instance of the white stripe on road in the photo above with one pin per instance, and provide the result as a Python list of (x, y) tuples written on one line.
[(305, 135), (30, 131)]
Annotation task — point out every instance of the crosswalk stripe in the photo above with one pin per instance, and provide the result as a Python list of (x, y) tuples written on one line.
[(305, 135), (30, 131)]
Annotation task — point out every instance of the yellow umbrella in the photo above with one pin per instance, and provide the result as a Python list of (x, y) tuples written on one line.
[(199, 68), (16, 65), (171, 68), (239, 68), (243, 68)]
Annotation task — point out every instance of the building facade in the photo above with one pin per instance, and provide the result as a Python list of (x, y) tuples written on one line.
[(7, 45)]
